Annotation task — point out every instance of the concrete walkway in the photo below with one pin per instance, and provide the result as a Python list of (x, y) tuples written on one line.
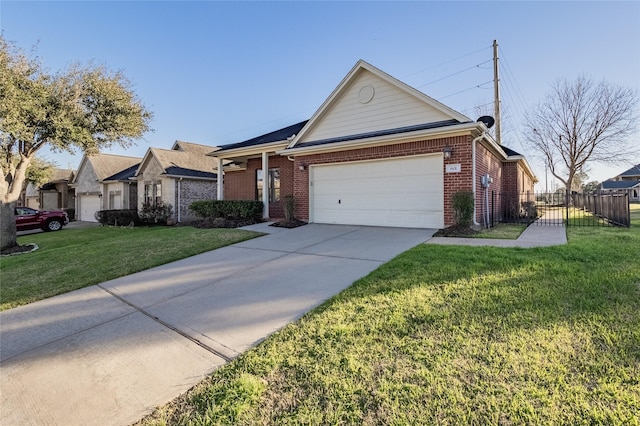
[(108, 354), (542, 233)]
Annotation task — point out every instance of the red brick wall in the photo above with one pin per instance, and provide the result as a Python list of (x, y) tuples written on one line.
[(487, 163), (453, 182), (241, 184)]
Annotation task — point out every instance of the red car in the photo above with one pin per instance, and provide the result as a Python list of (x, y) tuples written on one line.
[(28, 218)]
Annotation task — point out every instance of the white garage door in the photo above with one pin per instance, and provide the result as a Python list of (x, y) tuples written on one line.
[(88, 205), (400, 192)]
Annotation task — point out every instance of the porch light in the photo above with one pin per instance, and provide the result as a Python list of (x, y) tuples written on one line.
[(303, 166), (448, 151)]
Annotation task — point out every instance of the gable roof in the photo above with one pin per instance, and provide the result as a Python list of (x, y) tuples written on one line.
[(106, 165), (394, 92), (279, 135), (633, 171), (620, 184), (185, 159), (123, 175), (406, 129)]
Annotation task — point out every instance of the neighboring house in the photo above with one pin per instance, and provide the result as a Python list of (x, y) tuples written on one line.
[(377, 152), (102, 183), (628, 180), (30, 197), (177, 176), (57, 194)]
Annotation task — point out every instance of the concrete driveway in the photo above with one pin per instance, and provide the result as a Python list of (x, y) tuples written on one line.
[(110, 353)]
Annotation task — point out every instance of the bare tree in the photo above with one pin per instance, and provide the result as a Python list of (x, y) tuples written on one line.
[(580, 122)]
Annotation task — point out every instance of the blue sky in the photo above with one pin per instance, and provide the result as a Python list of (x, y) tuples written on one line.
[(222, 72)]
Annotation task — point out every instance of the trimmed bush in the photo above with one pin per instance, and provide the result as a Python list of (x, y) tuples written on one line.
[(117, 217), (155, 215), (71, 214), (228, 209), (463, 204)]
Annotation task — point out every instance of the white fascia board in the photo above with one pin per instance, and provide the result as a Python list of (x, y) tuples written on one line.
[(458, 129), (189, 177), (250, 150)]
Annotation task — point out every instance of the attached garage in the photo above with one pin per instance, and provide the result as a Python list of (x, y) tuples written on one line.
[(399, 192), (88, 205)]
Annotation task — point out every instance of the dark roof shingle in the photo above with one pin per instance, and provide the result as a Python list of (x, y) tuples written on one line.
[(275, 136)]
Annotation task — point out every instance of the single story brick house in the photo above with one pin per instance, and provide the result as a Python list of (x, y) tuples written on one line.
[(177, 176), (103, 183), (377, 152)]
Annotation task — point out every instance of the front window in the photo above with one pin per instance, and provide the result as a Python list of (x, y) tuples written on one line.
[(148, 194), (274, 184), (153, 193)]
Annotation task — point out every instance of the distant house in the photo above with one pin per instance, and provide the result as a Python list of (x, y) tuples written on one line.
[(628, 181), (177, 176), (55, 194), (103, 183)]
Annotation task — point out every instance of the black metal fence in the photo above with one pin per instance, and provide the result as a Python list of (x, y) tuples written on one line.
[(557, 208)]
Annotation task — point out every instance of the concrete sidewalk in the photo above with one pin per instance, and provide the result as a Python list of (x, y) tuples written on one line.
[(108, 354), (542, 233)]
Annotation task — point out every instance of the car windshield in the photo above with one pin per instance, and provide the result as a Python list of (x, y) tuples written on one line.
[(25, 210)]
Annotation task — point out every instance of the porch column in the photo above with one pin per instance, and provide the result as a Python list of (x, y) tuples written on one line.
[(265, 185), (220, 195)]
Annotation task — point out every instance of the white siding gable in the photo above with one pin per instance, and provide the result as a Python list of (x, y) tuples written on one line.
[(353, 113)]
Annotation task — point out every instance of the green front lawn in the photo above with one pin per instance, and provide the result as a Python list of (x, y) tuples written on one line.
[(452, 335), (75, 258)]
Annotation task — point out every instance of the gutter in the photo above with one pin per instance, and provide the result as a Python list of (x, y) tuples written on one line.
[(473, 175)]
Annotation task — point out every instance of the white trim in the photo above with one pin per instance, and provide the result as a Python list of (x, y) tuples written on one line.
[(436, 133)]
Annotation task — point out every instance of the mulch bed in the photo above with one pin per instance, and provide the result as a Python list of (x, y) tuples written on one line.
[(456, 231), (27, 248), (288, 224)]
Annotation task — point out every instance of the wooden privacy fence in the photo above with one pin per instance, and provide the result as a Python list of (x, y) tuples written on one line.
[(549, 209)]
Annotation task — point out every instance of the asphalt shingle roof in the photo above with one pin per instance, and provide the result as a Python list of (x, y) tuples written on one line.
[(275, 136), (106, 165), (619, 184), (634, 171), (187, 159), (376, 133), (124, 174)]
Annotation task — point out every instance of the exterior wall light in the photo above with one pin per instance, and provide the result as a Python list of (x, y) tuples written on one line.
[(303, 166), (448, 151)]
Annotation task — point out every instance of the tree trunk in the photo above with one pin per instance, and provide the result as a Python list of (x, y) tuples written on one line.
[(7, 226)]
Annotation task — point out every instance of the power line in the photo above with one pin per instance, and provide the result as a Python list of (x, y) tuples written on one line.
[(479, 86), (446, 62), (455, 73)]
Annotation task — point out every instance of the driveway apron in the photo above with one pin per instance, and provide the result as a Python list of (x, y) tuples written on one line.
[(110, 353)]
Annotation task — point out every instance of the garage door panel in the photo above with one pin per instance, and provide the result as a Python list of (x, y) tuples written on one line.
[(391, 192), (89, 205)]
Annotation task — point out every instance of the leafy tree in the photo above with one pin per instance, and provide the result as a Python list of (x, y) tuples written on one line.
[(39, 171), (85, 107), (581, 122)]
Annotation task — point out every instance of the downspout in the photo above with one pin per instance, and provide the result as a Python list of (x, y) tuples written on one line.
[(473, 175), (179, 198)]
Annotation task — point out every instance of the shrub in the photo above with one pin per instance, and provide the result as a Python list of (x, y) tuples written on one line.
[(117, 217), (228, 209), (463, 204), (155, 214), (71, 214)]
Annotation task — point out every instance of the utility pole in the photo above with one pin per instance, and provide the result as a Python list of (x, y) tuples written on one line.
[(496, 92)]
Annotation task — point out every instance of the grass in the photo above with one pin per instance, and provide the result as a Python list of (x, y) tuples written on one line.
[(77, 258), (451, 335), (502, 231)]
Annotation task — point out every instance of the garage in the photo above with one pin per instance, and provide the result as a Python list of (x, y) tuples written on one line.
[(88, 205), (400, 192)]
